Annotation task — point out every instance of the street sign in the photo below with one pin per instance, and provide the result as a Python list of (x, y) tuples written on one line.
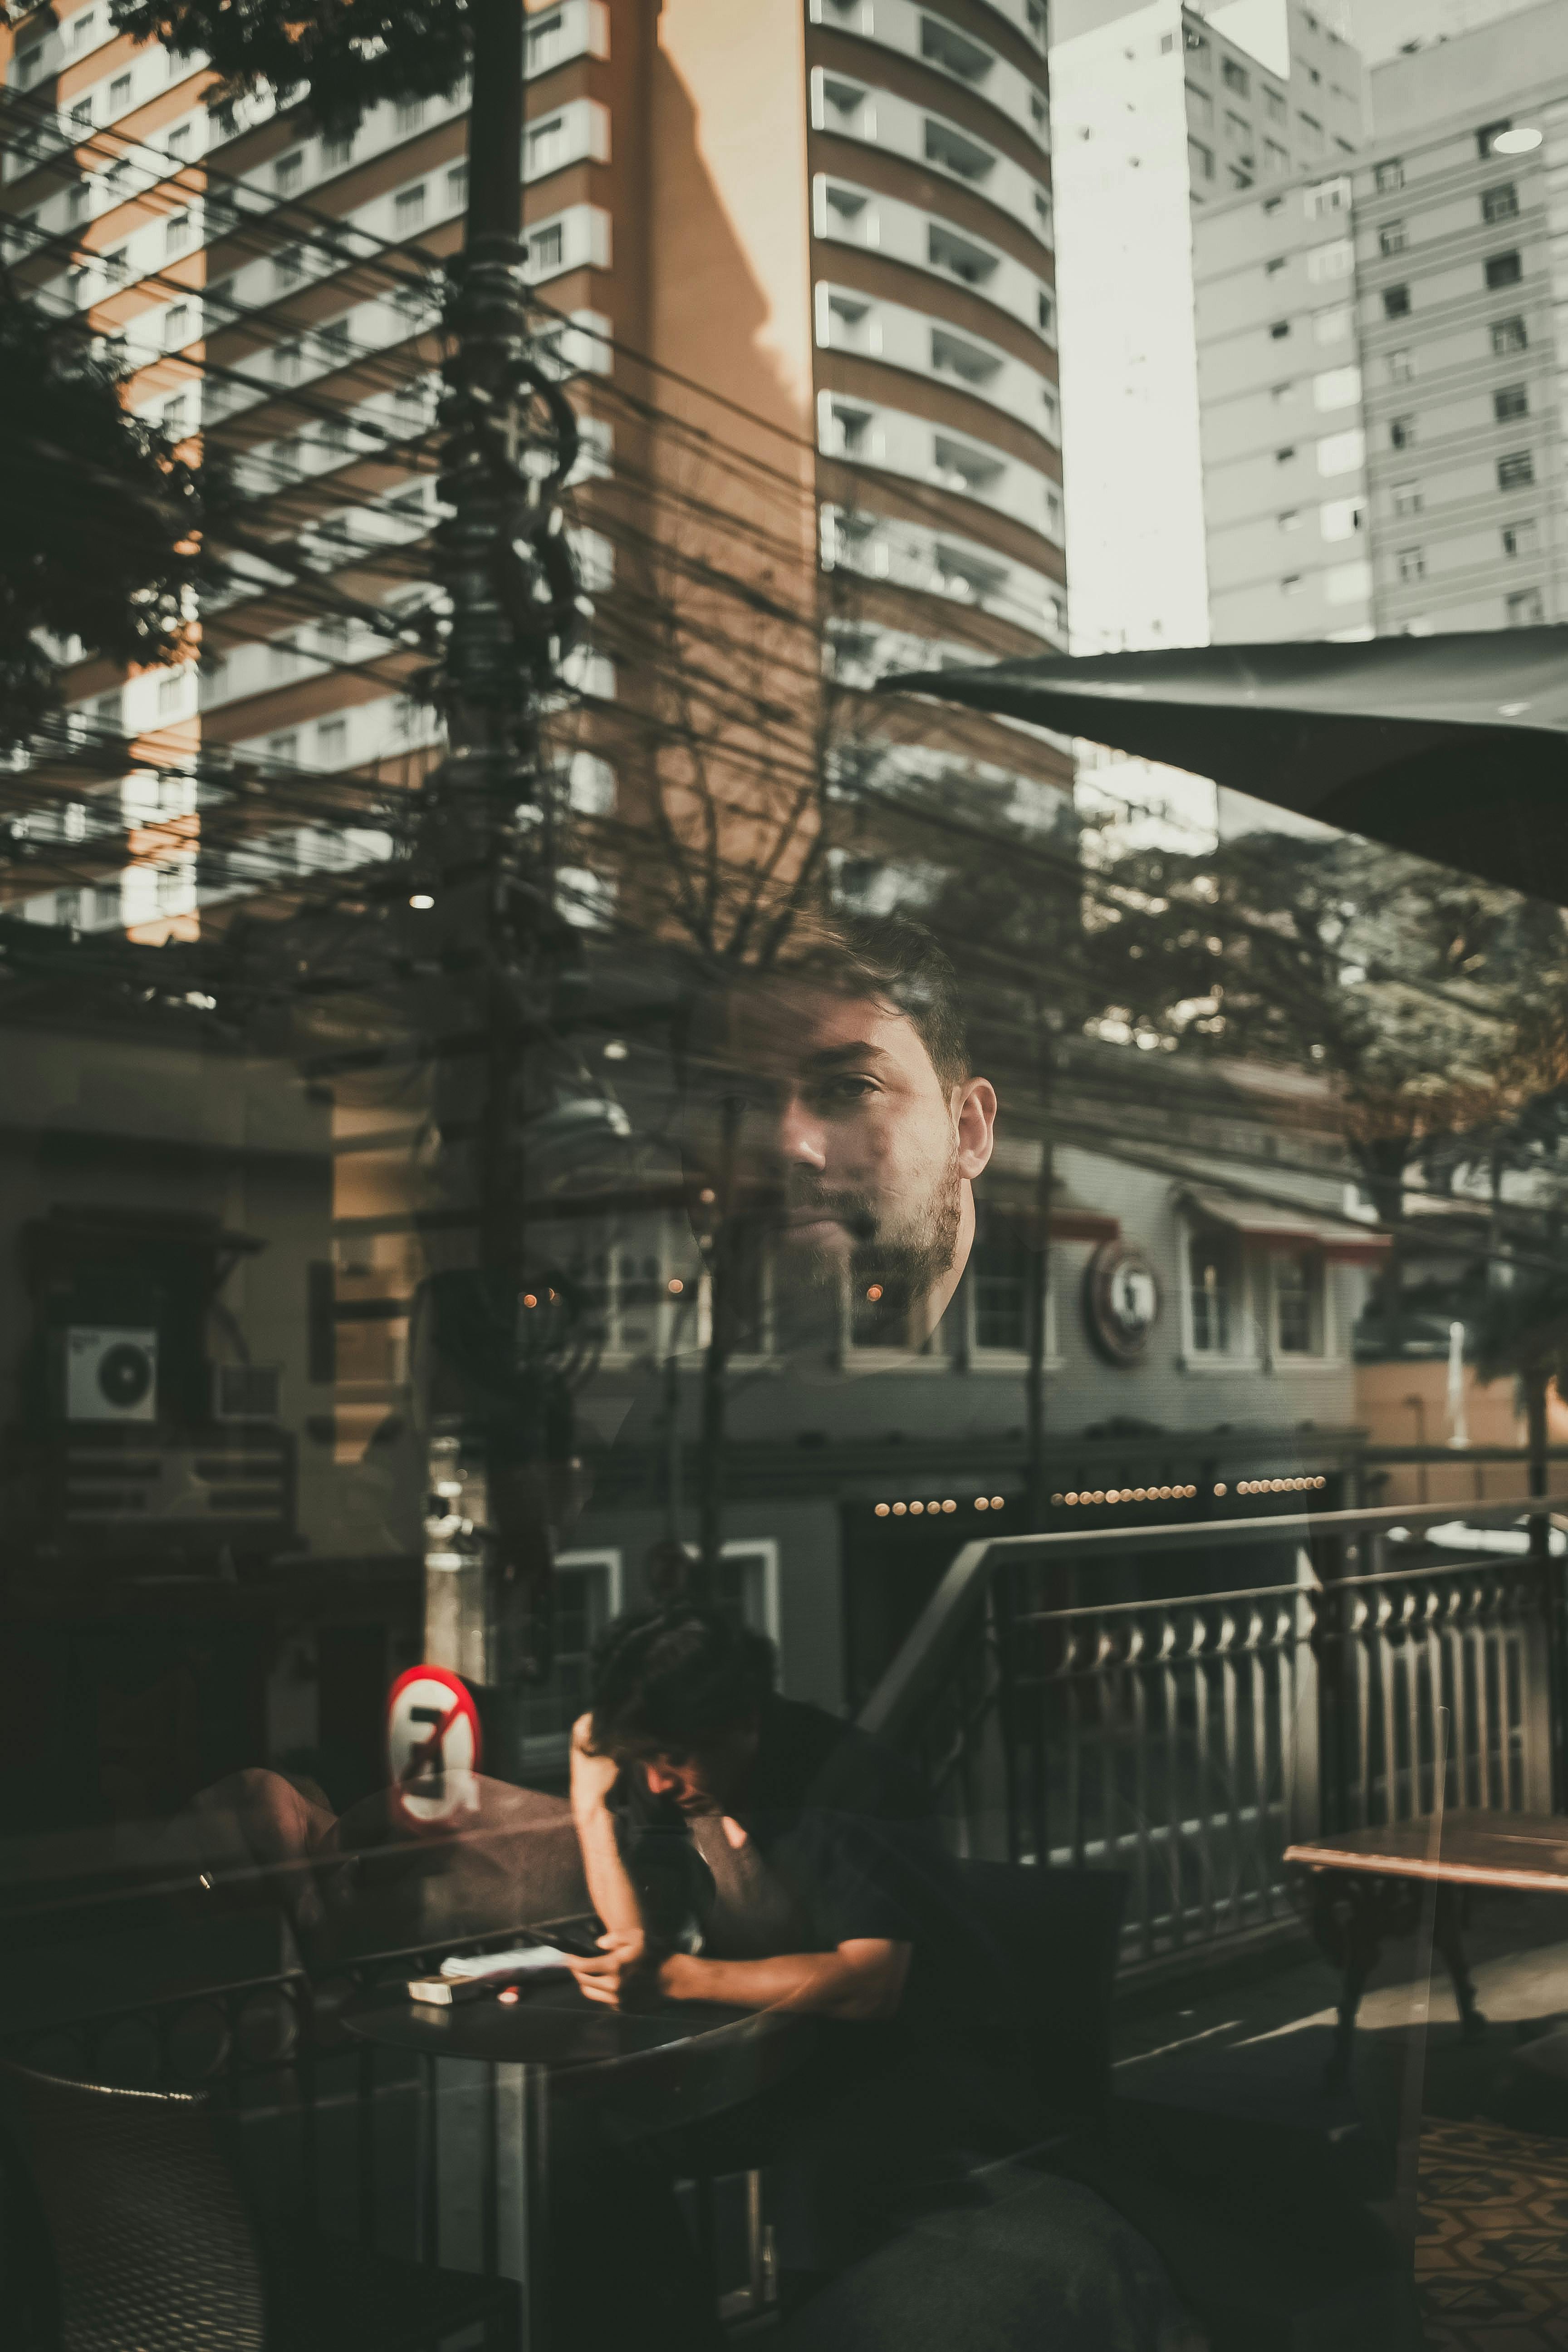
[(432, 1747)]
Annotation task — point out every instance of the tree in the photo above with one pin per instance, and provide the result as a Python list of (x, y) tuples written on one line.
[(1411, 989), (102, 540)]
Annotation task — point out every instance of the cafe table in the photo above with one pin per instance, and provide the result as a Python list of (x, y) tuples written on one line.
[(644, 2069), (1361, 1886)]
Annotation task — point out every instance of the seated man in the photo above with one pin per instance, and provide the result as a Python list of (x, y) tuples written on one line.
[(746, 1849)]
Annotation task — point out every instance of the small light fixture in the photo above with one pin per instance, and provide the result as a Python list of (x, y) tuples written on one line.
[(676, 1288), (873, 1292), (529, 1298), (948, 1504), (1522, 141), (916, 1509), (900, 1508), (421, 900), (707, 1196), (881, 1510), (615, 1051), (982, 1503), (995, 1502)]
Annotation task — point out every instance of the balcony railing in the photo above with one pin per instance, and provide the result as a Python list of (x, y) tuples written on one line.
[(1189, 1739)]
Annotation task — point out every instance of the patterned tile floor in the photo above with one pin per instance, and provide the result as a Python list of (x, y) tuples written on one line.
[(1491, 2255)]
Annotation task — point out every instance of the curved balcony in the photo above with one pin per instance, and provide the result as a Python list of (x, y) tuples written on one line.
[(896, 336), (950, 49), (845, 214), (852, 108)]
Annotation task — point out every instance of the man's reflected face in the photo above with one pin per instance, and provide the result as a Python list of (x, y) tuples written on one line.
[(821, 1119)]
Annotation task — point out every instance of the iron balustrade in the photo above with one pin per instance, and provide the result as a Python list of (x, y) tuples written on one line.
[(1188, 1739)]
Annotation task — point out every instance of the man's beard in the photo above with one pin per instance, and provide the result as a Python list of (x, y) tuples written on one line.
[(900, 1257)]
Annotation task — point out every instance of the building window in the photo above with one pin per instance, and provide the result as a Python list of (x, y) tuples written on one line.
[(286, 362), (1001, 1267), (1392, 238), (1274, 104), (1236, 77), (1401, 365), (410, 115), (1407, 498), (408, 210), (332, 741), (1390, 177), (287, 265), (1299, 1304), (1276, 160), (120, 94), (1402, 432), (943, 44), (1290, 519), (1280, 330), (1503, 269), (1509, 335), (1525, 609), (1272, 268), (1397, 301), (1510, 400), (1214, 1292), (1501, 202), (546, 248), (1521, 538), (1283, 456), (545, 42), (1516, 470), (1200, 159), (950, 151), (458, 188), (289, 171), (1046, 313), (1199, 109), (1488, 136), (1412, 564), (337, 151), (1291, 584), (177, 232), (547, 146)]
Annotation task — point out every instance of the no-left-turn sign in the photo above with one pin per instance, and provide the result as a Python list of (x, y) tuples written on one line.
[(432, 1746)]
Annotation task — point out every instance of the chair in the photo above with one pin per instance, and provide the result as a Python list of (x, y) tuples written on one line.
[(151, 2244), (1057, 1936)]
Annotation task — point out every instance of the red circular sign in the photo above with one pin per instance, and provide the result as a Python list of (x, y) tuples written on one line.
[(432, 1746)]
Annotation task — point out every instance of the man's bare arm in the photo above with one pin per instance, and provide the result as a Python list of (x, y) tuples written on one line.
[(609, 1881), (861, 1981)]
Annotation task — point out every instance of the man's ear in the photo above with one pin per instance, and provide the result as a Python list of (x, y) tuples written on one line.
[(974, 1119)]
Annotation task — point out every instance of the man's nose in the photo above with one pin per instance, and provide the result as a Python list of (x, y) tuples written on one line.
[(801, 1139)]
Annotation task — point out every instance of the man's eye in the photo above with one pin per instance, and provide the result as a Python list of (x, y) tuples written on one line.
[(849, 1089)]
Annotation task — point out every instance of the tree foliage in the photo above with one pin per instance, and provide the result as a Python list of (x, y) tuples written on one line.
[(1427, 999), (102, 539), (349, 55)]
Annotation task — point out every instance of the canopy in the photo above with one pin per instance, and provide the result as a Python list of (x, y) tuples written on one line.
[(1453, 747), (1272, 1222)]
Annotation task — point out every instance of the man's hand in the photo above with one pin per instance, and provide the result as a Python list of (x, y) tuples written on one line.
[(592, 1777), (615, 1971)]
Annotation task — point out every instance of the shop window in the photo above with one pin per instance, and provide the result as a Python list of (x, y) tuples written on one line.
[(1298, 1317)]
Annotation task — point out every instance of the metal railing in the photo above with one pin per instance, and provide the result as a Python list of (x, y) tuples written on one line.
[(1188, 1739)]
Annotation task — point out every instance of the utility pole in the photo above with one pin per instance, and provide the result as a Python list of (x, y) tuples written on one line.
[(500, 1414)]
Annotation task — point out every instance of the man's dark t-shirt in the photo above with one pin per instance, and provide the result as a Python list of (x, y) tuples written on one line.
[(846, 1831)]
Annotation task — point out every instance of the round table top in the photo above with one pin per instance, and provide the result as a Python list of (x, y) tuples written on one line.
[(687, 2058)]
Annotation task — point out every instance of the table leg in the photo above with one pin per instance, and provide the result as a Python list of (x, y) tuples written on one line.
[(523, 2179), (1447, 1934)]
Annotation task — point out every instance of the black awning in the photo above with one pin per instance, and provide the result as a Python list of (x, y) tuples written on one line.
[(1455, 748)]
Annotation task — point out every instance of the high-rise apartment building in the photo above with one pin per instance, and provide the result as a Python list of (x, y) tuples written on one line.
[(1160, 112), (1380, 359), (815, 236)]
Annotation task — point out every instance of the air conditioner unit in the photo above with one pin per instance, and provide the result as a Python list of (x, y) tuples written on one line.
[(111, 1372), (246, 1391)]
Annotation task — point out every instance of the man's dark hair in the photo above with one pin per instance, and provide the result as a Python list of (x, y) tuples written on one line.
[(888, 956), (665, 1681)]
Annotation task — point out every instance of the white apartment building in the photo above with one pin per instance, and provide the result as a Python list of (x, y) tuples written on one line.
[(1160, 112), (1380, 360)]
